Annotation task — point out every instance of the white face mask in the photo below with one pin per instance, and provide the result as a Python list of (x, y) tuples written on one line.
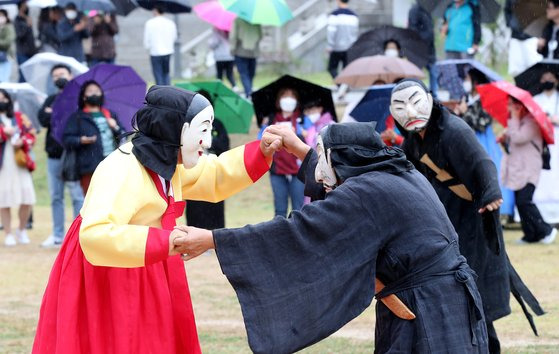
[(314, 117), (393, 53), (324, 172), (411, 107), (71, 14), (196, 137), (288, 104), (467, 85)]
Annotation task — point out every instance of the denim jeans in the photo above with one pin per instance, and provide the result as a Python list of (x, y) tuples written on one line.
[(227, 68), (160, 68), (433, 77), (21, 58), (5, 71), (334, 62), (56, 188), (247, 70), (284, 187)]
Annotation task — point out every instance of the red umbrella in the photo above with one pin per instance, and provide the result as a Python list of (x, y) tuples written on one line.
[(494, 99)]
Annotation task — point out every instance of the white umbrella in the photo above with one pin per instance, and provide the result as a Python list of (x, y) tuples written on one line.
[(36, 70), (27, 100), (42, 3)]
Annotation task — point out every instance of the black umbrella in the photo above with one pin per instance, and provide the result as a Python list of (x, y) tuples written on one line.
[(264, 100), (124, 7), (489, 9), (528, 11), (372, 43), (170, 6), (529, 80), (87, 5)]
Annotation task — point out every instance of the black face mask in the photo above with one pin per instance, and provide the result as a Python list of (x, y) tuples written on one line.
[(4, 106), (94, 100), (60, 83), (548, 85)]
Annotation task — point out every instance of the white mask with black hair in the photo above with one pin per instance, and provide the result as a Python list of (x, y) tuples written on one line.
[(411, 105)]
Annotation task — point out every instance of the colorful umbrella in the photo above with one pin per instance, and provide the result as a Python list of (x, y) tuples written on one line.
[(374, 106), (170, 6), (366, 70), (264, 100), (452, 72), (232, 110), (494, 99), (36, 70), (123, 88), (372, 42), (214, 13), (529, 80), (26, 99), (260, 12)]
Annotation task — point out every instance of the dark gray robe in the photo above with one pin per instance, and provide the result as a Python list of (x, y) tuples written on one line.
[(300, 279)]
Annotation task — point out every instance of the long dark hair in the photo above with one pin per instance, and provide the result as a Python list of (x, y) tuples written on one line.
[(10, 110), (5, 13), (81, 102)]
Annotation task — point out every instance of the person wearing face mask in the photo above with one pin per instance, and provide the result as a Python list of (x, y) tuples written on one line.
[(17, 137), (284, 170), (7, 37), (118, 284), (315, 119), (546, 196), (392, 49), (25, 40), (304, 277), (445, 150), (93, 131), (61, 75), (71, 30)]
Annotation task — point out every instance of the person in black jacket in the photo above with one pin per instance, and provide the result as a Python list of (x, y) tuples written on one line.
[(547, 45), (209, 215), (60, 74), (25, 41), (420, 21), (92, 130)]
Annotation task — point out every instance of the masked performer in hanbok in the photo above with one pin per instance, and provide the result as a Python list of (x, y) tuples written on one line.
[(444, 149), (118, 285), (302, 278)]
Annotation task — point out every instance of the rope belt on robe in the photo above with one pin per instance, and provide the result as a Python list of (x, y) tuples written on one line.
[(437, 268)]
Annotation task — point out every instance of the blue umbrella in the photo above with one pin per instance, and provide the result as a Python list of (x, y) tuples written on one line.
[(374, 106), (123, 88), (452, 72)]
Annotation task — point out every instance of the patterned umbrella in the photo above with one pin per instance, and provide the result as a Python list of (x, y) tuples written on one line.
[(374, 106), (123, 88), (260, 12), (452, 73)]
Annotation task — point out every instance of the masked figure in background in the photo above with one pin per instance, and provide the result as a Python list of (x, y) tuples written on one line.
[(302, 278), (118, 285), (444, 149)]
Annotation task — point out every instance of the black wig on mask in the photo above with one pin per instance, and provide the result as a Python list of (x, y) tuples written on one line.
[(159, 125), (356, 148)]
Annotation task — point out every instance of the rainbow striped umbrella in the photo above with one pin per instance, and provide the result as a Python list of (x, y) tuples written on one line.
[(260, 12)]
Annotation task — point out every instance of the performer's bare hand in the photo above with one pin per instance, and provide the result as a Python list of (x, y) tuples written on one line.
[(494, 205), (196, 242), (291, 141), (175, 234), (270, 143)]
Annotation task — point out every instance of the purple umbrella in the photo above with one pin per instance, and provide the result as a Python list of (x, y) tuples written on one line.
[(123, 88)]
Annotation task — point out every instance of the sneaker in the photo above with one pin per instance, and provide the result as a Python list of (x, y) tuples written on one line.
[(10, 241), (51, 242), (22, 237), (549, 238)]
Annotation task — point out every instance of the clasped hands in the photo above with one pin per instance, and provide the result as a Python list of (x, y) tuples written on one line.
[(189, 241)]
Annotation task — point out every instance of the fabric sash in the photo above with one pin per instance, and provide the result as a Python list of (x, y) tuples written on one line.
[(447, 179)]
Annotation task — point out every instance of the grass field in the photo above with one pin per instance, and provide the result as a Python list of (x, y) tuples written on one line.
[(24, 272)]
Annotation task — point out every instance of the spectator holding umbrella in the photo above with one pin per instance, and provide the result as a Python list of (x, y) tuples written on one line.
[(92, 130), (16, 186), (7, 36), (224, 61), (160, 34), (462, 29), (61, 75), (521, 168), (25, 40), (548, 44), (420, 20), (245, 41), (103, 30), (343, 28), (71, 29)]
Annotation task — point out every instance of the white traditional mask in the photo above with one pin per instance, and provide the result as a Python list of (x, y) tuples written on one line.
[(467, 86), (411, 107), (71, 14), (196, 137), (393, 53), (314, 117), (288, 104), (324, 172)]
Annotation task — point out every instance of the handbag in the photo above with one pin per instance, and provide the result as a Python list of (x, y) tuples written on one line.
[(21, 157), (70, 165)]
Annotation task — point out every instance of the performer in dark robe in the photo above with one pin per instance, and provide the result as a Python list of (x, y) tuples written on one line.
[(445, 150), (302, 278)]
